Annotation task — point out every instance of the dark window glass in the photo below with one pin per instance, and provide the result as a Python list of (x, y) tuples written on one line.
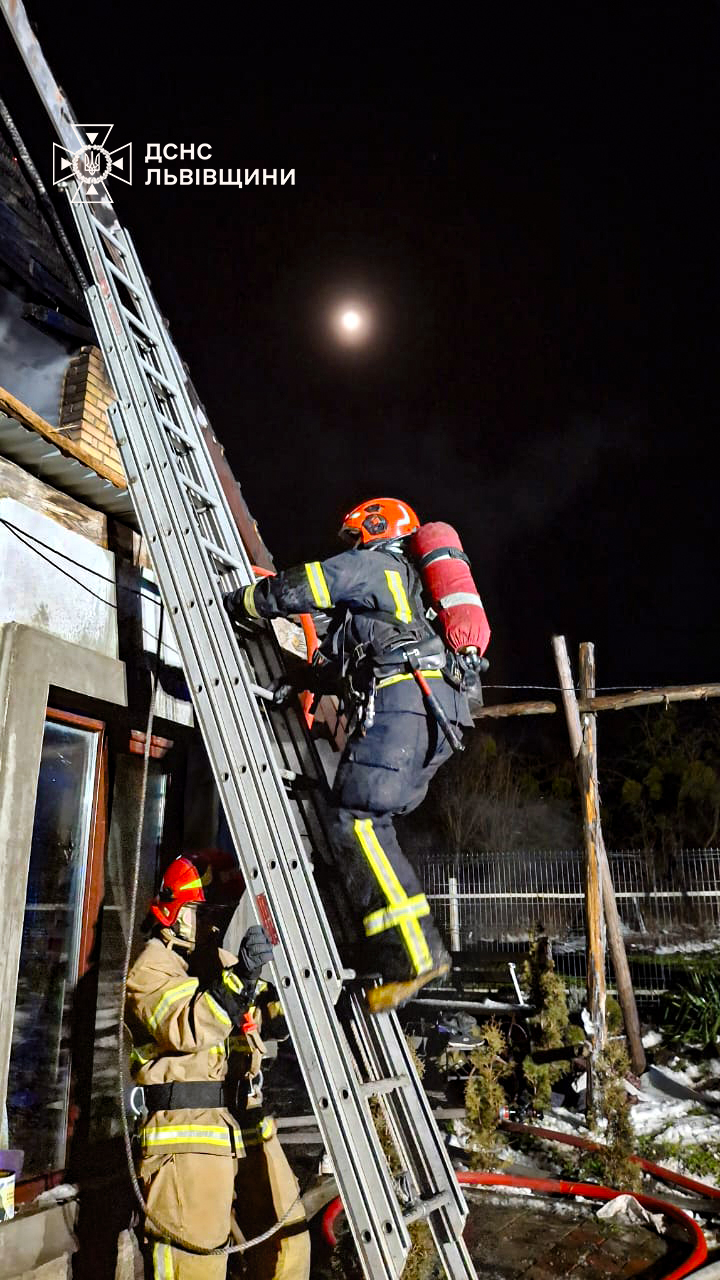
[(39, 1082)]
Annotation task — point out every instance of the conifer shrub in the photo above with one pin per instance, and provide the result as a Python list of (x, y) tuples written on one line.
[(485, 1095), (549, 1026)]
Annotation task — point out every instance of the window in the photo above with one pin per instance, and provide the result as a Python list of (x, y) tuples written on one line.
[(63, 891)]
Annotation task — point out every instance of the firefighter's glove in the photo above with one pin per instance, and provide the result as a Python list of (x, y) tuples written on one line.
[(233, 993), (283, 692), (255, 952), (233, 602), (236, 604)]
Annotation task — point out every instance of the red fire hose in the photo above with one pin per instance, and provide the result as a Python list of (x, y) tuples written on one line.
[(586, 1144), (550, 1186), (311, 642)]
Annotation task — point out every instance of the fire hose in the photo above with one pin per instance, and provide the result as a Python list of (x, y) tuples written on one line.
[(587, 1144), (551, 1186)]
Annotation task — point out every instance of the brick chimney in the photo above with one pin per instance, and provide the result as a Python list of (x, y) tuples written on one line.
[(86, 394)]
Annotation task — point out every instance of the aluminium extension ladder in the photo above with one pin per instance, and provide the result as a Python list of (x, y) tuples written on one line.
[(265, 767)]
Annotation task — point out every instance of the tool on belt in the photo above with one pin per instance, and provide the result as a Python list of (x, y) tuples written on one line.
[(412, 657)]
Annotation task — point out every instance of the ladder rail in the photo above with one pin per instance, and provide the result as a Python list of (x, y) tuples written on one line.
[(221, 518), (412, 1126), (328, 1081)]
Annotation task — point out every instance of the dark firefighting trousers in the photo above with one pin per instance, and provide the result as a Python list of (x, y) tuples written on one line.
[(381, 774)]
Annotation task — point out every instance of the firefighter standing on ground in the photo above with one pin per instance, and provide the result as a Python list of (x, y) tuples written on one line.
[(184, 996), (374, 595)]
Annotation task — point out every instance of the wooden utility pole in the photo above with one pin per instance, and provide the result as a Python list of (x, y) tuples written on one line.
[(626, 995), (587, 764)]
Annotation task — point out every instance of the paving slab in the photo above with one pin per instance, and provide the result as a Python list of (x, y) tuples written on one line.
[(544, 1238)]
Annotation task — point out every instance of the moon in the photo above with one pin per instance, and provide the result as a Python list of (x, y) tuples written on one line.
[(351, 324), (351, 321)]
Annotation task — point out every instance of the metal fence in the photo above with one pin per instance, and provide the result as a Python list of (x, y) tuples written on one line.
[(487, 904)]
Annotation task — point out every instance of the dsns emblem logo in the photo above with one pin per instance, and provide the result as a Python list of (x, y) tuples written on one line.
[(92, 165)]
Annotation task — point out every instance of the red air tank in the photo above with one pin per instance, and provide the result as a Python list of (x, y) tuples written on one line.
[(445, 571)]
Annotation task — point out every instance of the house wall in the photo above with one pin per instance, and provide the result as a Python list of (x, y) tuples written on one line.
[(81, 618), (30, 662), (56, 580)]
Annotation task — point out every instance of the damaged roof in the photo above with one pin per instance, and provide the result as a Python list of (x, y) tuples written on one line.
[(37, 447)]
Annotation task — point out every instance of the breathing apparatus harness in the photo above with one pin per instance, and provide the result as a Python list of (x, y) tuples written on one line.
[(407, 649)]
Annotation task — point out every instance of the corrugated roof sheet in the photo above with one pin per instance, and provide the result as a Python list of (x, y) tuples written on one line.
[(43, 459)]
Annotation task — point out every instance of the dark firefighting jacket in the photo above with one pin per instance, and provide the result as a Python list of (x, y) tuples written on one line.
[(374, 599)]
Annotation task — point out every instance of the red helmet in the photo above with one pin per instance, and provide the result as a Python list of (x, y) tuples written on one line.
[(211, 877), (379, 520)]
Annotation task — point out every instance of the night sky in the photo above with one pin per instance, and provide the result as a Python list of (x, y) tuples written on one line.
[(529, 203)]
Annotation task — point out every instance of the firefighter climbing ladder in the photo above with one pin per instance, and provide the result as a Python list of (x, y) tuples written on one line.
[(197, 554), (260, 767)]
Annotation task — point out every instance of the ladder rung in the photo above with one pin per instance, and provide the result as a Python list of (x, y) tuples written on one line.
[(261, 692), (374, 1087), (420, 1209), (107, 235), (138, 324), (302, 780), (198, 491), (152, 372), (169, 425), (120, 275), (223, 556)]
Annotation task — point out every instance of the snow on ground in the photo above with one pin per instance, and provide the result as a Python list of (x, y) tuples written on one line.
[(685, 948), (659, 1112), (651, 1039)]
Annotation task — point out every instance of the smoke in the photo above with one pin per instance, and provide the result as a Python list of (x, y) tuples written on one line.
[(32, 363)]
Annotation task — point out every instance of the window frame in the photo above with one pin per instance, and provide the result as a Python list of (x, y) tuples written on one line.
[(90, 915)]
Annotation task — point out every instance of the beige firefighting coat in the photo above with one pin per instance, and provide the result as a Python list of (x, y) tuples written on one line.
[(179, 1033)]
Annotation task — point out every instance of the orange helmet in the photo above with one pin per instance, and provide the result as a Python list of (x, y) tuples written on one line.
[(210, 878), (379, 520)]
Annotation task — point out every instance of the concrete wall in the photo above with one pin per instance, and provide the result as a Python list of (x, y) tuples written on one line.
[(30, 661), (56, 580), (38, 1244)]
